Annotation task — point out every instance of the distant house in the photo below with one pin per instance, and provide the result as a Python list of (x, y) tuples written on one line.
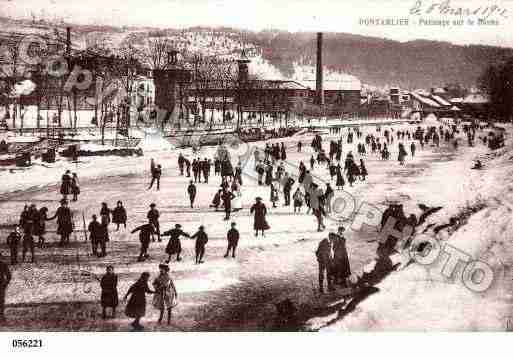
[(441, 101), (398, 97), (476, 105), (424, 104), (339, 96)]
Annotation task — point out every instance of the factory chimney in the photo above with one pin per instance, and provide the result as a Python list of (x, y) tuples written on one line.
[(319, 77), (243, 67), (68, 41)]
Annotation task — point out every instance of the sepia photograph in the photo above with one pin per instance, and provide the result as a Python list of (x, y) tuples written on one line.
[(254, 166)]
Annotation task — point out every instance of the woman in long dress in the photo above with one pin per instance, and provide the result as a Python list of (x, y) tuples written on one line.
[(136, 306), (109, 295), (75, 187), (165, 293), (119, 215), (64, 222), (260, 211), (298, 198), (40, 226), (66, 184), (340, 178)]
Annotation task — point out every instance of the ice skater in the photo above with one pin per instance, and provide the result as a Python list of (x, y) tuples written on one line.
[(136, 305), (233, 240)]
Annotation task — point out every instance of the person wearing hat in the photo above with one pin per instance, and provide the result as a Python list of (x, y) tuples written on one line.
[(181, 163), (146, 232), (174, 246), (191, 190), (155, 177), (109, 294), (341, 265), (40, 226), (207, 164), (105, 211), (66, 184), (233, 240), (75, 187), (153, 216), (165, 294), (136, 305), (260, 210), (5, 279), (64, 222), (324, 256), (119, 215), (227, 197), (201, 240), (95, 232)]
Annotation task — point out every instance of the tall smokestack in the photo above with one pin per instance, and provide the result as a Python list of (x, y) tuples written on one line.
[(68, 40), (319, 78)]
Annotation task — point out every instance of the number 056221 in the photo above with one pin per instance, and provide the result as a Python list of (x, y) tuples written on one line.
[(27, 343)]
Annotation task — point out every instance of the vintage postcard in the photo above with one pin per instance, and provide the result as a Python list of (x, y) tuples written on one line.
[(255, 166)]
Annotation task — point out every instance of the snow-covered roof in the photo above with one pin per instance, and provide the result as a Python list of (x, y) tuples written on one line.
[(421, 92), (280, 84), (335, 85), (455, 108), (476, 98), (441, 100), (439, 90), (456, 100), (424, 100)]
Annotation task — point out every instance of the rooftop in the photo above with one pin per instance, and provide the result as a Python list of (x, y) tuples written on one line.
[(335, 85)]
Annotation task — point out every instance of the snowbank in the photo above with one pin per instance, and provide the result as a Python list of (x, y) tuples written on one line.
[(421, 297)]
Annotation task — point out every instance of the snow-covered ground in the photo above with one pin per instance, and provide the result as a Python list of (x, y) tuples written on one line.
[(421, 297), (153, 144), (222, 293)]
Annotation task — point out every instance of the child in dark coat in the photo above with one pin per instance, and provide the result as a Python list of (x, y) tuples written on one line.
[(136, 306), (119, 215), (109, 296)]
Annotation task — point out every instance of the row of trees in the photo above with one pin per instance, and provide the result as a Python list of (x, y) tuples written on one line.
[(214, 84)]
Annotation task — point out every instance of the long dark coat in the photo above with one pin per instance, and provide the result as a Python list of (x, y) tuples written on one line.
[(201, 239), (260, 211), (136, 306), (75, 187), (174, 245), (109, 285), (340, 177), (119, 215), (341, 264), (64, 221), (283, 153), (66, 184)]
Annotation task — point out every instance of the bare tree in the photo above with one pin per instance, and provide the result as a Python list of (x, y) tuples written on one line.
[(156, 52), (10, 70)]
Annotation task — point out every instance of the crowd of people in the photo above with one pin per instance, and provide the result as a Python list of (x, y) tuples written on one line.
[(304, 187)]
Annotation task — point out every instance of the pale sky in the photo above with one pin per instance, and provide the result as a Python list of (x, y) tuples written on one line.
[(291, 15)]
